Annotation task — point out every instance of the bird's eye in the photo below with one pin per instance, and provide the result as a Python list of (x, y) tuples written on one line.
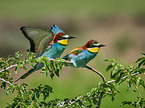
[(59, 38)]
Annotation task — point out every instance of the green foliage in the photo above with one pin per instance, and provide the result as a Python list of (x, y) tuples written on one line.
[(36, 97), (51, 67), (141, 61), (26, 97), (129, 74)]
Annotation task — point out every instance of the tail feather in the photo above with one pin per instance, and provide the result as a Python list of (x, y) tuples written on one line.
[(36, 67), (26, 74)]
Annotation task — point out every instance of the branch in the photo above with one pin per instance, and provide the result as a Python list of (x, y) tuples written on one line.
[(137, 91), (100, 99), (104, 80), (6, 81), (122, 77), (67, 63), (99, 73), (8, 67)]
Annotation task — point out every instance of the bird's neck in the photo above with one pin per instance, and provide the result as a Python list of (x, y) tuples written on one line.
[(60, 46)]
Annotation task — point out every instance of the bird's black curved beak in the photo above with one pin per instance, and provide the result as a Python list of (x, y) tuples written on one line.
[(70, 37), (101, 45)]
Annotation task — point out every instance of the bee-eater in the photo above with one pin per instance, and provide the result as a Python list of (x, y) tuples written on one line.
[(50, 43), (82, 55)]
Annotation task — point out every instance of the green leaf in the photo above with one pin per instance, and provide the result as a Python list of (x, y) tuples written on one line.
[(36, 105), (57, 72), (51, 74), (37, 94), (143, 54), (25, 68), (33, 97), (110, 60), (125, 102), (134, 91), (140, 59), (16, 70), (141, 63), (109, 67)]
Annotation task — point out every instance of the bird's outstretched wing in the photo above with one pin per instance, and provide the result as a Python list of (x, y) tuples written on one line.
[(39, 39)]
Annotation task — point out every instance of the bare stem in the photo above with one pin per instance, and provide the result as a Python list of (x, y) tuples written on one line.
[(99, 73), (5, 81)]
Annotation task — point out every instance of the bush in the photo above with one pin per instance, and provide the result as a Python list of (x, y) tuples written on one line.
[(31, 97)]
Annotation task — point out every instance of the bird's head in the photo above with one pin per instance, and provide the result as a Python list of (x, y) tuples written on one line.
[(93, 46), (62, 38)]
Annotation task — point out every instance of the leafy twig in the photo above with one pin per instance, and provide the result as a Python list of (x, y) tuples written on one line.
[(100, 99), (123, 77), (8, 67), (5, 81), (137, 91)]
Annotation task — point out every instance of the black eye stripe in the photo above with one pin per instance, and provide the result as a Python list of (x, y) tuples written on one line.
[(92, 45), (60, 38)]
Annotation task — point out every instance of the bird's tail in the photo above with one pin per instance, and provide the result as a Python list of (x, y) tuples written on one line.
[(36, 67), (26, 74)]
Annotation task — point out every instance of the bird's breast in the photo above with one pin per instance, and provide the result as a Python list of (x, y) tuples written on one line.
[(54, 51)]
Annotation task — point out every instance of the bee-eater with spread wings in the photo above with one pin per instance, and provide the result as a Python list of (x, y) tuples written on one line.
[(50, 43)]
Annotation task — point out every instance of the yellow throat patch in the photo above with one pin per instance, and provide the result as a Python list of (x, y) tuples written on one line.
[(63, 42), (94, 50)]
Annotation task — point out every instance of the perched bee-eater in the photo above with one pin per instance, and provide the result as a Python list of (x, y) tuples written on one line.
[(82, 55), (50, 43)]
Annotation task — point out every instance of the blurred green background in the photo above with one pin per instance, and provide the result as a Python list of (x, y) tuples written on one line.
[(118, 24)]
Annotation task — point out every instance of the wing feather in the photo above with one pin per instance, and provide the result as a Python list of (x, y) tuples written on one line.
[(39, 39), (75, 51)]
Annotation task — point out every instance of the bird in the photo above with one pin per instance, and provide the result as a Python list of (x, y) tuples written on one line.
[(82, 55), (49, 43)]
